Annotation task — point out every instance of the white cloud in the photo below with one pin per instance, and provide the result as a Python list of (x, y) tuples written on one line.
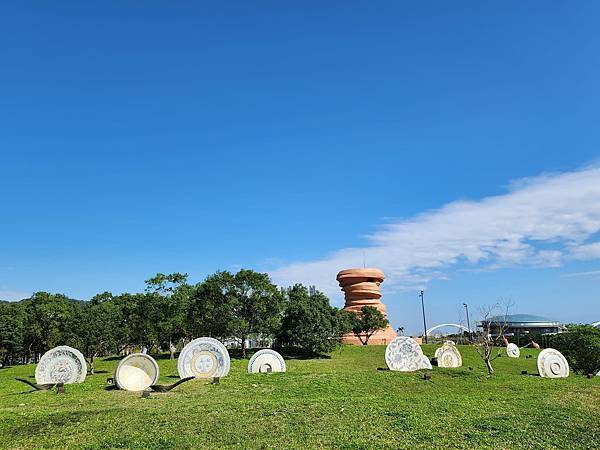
[(13, 295), (539, 222), (586, 251)]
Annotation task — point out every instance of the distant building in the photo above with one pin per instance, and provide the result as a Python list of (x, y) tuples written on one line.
[(521, 324)]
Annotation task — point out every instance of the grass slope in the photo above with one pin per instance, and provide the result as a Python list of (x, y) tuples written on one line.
[(339, 402)]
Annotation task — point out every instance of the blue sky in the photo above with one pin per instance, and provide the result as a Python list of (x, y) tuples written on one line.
[(453, 144)]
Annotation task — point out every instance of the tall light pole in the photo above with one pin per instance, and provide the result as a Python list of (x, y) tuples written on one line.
[(468, 322), (424, 323)]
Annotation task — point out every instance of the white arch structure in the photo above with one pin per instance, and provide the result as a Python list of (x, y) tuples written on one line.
[(462, 327), (597, 324)]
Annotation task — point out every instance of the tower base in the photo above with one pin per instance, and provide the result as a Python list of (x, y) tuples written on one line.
[(380, 337)]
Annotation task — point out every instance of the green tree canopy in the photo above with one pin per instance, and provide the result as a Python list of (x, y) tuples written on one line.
[(50, 321), (257, 305), (98, 327), (12, 330), (167, 303), (309, 322), (210, 307), (365, 323), (581, 346)]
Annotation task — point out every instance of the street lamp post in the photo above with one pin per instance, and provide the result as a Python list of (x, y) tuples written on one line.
[(424, 323), (468, 322)]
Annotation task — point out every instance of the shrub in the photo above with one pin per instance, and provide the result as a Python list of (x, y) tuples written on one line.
[(581, 347), (309, 322)]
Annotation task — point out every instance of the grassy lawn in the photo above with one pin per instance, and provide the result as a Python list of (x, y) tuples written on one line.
[(339, 402)]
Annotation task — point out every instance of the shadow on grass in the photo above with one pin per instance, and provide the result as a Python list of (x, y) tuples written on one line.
[(55, 421), (18, 393), (298, 353)]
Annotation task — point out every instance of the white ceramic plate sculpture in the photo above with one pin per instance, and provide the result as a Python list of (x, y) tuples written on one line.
[(513, 351), (203, 357), (438, 350), (552, 364), (266, 360), (62, 364), (403, 354), (448, 355), (136, 372)]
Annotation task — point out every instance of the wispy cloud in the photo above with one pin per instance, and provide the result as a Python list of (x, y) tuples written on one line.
[(591, 273), (538, 222), (13, 295)]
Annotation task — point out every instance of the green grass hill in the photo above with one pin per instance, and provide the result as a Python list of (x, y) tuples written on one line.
[(342, 401)]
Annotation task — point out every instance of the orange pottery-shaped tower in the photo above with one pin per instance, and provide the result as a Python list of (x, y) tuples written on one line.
[(361, 288)]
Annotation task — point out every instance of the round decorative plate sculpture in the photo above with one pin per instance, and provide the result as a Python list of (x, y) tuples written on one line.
[(62, 364), (265, 361), (513, 351), (439, 349), (425, 363), (403, 354), (552, 364), (137, 372), (448, 355), (204, 357)]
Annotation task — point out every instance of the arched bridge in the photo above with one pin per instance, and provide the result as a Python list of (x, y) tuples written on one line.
[(462, 327), (597, 324)]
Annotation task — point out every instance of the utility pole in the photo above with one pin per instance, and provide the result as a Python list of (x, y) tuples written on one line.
[(468, 322), (424, 322)]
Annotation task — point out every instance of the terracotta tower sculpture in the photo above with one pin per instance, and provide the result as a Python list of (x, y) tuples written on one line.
[(361, 288)]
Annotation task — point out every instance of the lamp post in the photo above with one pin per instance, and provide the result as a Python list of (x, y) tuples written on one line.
[(424, 323), (468, 322)]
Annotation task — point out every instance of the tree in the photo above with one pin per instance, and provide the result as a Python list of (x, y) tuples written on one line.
[(128, 329), (366, 322), (98, 331), (50, 319), (257, 305), (485, 342), (137, 320), (166, 284), (12, 328), (210, 309), (168, 302), (309, 322), (581, 347)]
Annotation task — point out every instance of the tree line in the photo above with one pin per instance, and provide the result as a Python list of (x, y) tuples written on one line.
[(232, 307)]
